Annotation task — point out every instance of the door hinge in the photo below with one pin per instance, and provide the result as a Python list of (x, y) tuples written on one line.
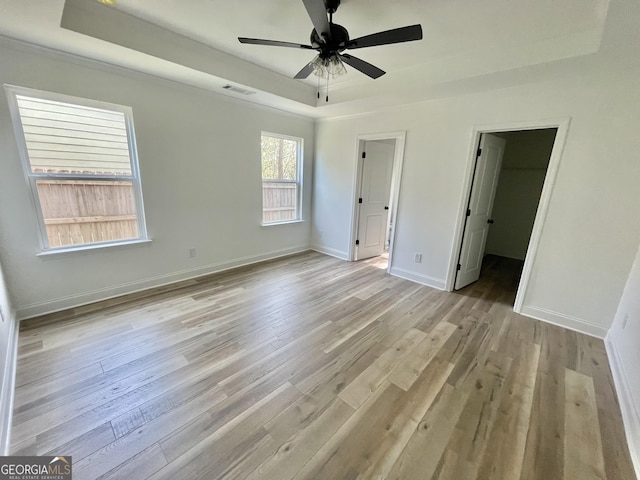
[(468, 212), (359, 200), (357, 242), (364, 154), (458, 267), (479, 152)]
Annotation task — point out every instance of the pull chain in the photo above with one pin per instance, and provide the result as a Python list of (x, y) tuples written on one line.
[(327, 97)]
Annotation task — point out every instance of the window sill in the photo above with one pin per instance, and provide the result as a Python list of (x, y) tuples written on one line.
[(91, 247), (288, 222)]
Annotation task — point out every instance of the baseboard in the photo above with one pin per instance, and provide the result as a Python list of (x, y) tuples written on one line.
[(7, 385), (565, 321), (628, 407), (57, 304), (438, 283), (331, 252)]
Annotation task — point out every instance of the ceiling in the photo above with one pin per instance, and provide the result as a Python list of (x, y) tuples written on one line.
[(465, 43)]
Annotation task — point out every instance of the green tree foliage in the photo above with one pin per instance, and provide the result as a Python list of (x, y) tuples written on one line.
[(279, 157)]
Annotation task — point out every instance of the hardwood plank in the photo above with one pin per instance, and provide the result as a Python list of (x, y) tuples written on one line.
[(470, 437), (582, 444), (241, 444), (507, 440), (405, 374), (311, 367), (356, 393), (136, 441), (351, 446), (544, 451), (299, 433), (91, 409), (421, 456), (410, 411), (453, 466), (226, 414), (615, 450), (141, 465)]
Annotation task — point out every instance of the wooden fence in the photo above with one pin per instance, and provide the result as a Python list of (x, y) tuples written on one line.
[(279, 201), (87, 211)]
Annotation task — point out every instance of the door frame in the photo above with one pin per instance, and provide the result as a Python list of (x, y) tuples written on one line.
[(562, 126), (396, 174)]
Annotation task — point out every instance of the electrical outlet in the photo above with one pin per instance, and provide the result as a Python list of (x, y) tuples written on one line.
[(192, 252), (417, 258)]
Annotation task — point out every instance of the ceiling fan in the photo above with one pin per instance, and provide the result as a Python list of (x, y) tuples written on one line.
[(330, 40)]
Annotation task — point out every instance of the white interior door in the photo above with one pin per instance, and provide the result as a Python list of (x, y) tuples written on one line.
[(375, 193), (483, 191)]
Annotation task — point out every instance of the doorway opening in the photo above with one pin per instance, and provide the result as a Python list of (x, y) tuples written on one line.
[(510, 183), (377, 186)]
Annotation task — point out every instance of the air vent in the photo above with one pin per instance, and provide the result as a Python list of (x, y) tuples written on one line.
[(242, 91)]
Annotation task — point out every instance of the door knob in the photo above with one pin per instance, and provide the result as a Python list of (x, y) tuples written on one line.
[(490, 221), (386, 208)]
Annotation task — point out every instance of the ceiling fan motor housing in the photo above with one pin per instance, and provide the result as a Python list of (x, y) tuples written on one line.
[(339, 39)]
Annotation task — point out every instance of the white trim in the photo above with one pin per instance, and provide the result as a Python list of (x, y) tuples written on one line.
[(332, 252), (396, 178), (87, 247), (284, 222), (298, 181), (562, 125), (7, 387), (12, 91), (628, 407), (71, 301), (565, 321), (543, 208), (432, 282)]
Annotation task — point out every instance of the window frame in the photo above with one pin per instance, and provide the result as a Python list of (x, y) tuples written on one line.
[(32, 178), (298, 181)]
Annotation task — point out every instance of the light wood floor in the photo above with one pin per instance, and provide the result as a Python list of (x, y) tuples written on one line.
[(313, 368)]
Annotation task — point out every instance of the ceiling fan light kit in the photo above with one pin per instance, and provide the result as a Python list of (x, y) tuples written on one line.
[(329, 67), (330, 40)]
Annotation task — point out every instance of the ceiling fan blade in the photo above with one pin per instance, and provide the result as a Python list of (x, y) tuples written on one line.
[(366, 68), (273, 43), (318, 14), (305, 72), (396, 35)]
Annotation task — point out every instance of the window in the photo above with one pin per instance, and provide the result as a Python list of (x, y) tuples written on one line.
[(281, 173), (80, 161)]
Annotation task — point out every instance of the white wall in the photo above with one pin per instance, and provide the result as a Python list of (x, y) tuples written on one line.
[(7, 363), (200, 164), (524, 167), (623, 346), (589, 239)]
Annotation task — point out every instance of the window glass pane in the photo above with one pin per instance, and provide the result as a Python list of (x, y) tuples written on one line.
[(82, 139), (67, 138), (279, 201), (279, 158), (78, 212), (280, 178)]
